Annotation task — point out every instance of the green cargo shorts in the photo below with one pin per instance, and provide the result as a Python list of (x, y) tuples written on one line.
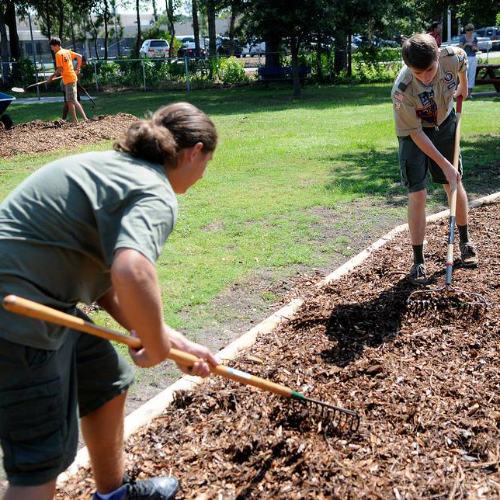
[(40, 391), (415, 164)]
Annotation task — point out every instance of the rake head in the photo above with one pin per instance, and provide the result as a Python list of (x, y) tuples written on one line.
[(330, 417), (447, 300)]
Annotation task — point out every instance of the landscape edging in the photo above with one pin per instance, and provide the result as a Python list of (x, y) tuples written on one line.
[(155, 406)]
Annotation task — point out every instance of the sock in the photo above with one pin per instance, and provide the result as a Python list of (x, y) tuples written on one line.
[(418, 254), (118, 494), (463, 231)]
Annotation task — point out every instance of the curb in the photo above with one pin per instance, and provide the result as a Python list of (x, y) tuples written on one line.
[(155, 406)]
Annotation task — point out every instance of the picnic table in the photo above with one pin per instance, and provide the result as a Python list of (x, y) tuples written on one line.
[(487, 74)]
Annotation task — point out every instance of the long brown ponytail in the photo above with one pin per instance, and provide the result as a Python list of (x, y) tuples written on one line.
[(169, 130)]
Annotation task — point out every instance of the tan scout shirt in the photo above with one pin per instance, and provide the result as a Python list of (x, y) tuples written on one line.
[(417, 105)]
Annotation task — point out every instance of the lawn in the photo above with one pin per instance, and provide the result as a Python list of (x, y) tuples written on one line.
[(296, 184), (281, 165)]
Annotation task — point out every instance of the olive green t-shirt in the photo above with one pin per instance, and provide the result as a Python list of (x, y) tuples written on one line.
[(60, 228)]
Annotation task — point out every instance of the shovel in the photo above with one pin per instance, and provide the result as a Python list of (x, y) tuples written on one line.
[(340, 418), (19, 89)]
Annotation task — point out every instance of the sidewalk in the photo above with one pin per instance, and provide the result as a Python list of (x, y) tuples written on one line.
[(32, 100)]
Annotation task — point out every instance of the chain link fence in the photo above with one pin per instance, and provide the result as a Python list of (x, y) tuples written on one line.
[(190, 73)]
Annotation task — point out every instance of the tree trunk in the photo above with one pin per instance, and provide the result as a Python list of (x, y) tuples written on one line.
[(106, 32), (349, 54), (171, 25), (139, 34), (212, 44), (155, 12), (272, 51), (340, 62), (319, 62), (94, 38), (72, 31), (4, 48), (11, 22), (48, 20), (234, 12), (60, 8), (294, 46), (196, 27)]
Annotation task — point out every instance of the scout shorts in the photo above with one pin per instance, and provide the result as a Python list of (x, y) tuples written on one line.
[(70, 90), (415, 164), (40, 391)]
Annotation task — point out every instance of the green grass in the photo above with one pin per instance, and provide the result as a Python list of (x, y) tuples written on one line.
[(278, 158)]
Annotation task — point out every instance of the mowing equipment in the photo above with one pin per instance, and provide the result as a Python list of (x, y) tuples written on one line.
[(340, 419), (21, 90), (440, 299)]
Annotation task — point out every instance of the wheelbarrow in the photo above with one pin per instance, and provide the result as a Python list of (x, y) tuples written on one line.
[(5, 100)]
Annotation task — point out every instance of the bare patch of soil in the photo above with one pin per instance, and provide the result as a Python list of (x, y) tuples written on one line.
[(426, 387), (43, 137)]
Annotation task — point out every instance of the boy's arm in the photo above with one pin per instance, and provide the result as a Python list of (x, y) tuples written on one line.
[(425, 144), (78, 58), (56, 73), (463, 85)]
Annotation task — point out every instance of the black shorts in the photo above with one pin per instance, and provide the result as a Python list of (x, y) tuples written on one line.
[(415, 164), (40, 391)]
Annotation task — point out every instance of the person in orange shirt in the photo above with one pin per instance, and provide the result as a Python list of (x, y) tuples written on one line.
[(64, 67)]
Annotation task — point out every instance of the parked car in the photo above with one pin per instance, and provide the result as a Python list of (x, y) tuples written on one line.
[(254, 48), (155, 48), (454, 41), (224, 46), (483, 43), (188, 46), (492, 33)]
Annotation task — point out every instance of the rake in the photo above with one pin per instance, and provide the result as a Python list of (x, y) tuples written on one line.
[(437, 300), (340, 419)]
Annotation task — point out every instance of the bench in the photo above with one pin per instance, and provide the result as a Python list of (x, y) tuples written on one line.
[(488, 74), (269, 74)]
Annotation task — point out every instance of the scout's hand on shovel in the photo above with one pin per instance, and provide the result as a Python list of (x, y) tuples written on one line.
[(200, 368)]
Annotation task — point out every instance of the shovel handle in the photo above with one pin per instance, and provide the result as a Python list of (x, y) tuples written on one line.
[(25, 307)]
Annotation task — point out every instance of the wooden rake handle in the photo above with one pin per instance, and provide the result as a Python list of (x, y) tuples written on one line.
[(43, 81), (453, 196), (35, 310)]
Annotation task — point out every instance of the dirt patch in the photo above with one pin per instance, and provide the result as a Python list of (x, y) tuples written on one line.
[(426, 388), (43, 137), (341, 233)]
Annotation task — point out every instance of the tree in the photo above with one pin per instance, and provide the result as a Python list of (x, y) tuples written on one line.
[(294, 20), (172, 8), (196, 27)]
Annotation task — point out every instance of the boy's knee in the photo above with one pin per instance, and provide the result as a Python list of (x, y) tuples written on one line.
[(419, 196)]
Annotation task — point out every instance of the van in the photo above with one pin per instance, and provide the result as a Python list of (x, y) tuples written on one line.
[(155, 48)]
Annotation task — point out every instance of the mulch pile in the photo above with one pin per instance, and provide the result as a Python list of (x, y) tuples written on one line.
[(427, 389), (42, 137)]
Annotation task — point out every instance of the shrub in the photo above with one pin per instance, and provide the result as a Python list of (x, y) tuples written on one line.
[(232, 71)]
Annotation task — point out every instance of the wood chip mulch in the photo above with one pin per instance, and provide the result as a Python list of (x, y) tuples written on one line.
[(43, 137), (427, 388)]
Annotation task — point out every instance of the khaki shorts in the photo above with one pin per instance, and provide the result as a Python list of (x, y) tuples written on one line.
[(415, 164), (40, 392), (70, 90)]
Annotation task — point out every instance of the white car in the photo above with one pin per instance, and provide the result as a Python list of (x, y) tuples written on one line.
[(155, 48), (483, 43), (254, 48)]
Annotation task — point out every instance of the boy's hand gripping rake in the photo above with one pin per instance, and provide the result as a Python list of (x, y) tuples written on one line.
[(339, 418), (468, 302)]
